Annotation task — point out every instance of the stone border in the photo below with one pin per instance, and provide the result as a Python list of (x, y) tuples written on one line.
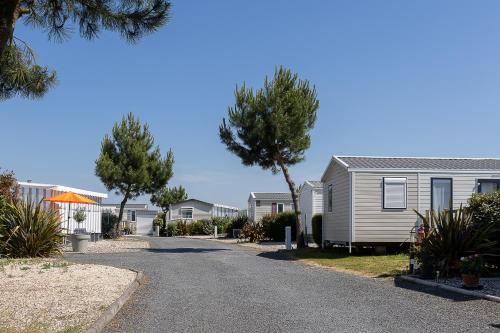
[(450, 288), (113, 309)]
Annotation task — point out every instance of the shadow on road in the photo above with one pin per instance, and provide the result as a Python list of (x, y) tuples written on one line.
[(433, 291), (185, 250), (276, 255)]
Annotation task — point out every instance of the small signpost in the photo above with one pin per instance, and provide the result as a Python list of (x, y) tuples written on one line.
[(288, 237)]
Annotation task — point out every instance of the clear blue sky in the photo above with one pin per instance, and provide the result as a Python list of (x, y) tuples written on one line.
[(395, 78)]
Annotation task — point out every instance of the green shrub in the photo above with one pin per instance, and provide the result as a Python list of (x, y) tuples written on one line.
[(317, 228), (30, 230), (171, 229), (183, 228), (453, 237), (222, 224), (235, 223), (109, 225), (200, 227), (274, 225), (254, 232), (485, 210)]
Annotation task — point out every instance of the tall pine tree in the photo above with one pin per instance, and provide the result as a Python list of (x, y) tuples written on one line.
[(270, 127), (130, 164)]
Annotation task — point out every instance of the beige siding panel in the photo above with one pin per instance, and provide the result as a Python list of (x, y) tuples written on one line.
[(200, 210), (306, 206), (266, 207), (336, 224), (463, 187), (372, 223)]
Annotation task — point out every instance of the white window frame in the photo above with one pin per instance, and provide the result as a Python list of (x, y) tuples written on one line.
[(278, 207), (399, 181), (187, 209)]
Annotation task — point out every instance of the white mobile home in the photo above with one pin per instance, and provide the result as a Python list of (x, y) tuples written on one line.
[(263, 203), (194, 210), (139, 216), (311, 202), (36, 192), (370, 200)]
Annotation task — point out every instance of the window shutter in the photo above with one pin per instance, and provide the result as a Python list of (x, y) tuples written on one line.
[(395, 193)]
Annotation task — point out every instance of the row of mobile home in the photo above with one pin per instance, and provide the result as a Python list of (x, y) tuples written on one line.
[(372, 200)]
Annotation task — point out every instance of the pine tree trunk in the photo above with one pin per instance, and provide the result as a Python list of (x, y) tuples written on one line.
[(120, 215), (300, 229), (9, 13)]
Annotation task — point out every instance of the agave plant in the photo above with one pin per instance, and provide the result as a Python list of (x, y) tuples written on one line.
[(452, 236), (30, 230)]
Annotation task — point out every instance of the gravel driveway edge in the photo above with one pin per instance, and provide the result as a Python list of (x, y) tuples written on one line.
[(113, 309), (450, 288)]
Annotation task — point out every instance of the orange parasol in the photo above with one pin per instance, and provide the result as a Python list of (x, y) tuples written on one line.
[(70, 197)]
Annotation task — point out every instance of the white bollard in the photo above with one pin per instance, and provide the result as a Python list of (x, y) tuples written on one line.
[(215, 232), (288, 238)]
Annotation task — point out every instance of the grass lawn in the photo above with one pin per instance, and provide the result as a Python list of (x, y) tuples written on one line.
[(370, 265)]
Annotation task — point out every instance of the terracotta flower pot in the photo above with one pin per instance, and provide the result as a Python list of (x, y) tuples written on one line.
[(470, 280)]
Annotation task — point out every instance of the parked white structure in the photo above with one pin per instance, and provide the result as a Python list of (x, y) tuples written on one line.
[(370, 200), (194, 210), (36, 192), (310, 202), (140, 216), (263, 203)]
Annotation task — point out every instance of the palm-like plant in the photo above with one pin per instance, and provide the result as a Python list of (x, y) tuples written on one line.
[(30, 230), (452, 236)]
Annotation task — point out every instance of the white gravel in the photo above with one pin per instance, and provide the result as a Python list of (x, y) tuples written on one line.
[(126, 244), (491, 286), (53, 295)]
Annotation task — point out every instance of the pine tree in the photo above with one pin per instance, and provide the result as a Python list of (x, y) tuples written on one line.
[(128, 163), (270, 128), (166, 196), (20, 75)]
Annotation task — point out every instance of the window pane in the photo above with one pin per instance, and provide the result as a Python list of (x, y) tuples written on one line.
[(187, 213), (280, 208), (394, 193), (441, 194)]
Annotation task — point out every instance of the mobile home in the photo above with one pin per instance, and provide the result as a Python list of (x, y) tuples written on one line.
[(194, 210), (263, 203), (371, 200), (311, 202), (139, 216), (36, 192)]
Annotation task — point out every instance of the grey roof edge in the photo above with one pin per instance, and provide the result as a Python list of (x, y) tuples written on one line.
[(343, 160)]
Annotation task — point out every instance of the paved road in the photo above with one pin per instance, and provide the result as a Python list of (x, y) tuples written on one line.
[(206, 286)]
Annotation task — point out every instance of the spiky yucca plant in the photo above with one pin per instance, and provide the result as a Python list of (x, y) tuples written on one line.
[(454, 235), (30, 230)]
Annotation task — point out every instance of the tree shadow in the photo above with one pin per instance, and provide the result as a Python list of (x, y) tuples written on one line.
[(277, 255), (185, 250), (455, 297)]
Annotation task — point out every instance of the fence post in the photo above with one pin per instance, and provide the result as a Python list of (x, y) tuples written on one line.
[(288, 237), (215, 232)]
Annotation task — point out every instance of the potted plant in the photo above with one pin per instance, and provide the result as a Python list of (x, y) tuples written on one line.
[(80, 239), (157, 223), (471, 267)]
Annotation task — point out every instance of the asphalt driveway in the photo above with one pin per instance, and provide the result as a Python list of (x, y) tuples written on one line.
[(206, 286)]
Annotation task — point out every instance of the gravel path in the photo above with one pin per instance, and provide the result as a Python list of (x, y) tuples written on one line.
[(52, 296), (207, 286)]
